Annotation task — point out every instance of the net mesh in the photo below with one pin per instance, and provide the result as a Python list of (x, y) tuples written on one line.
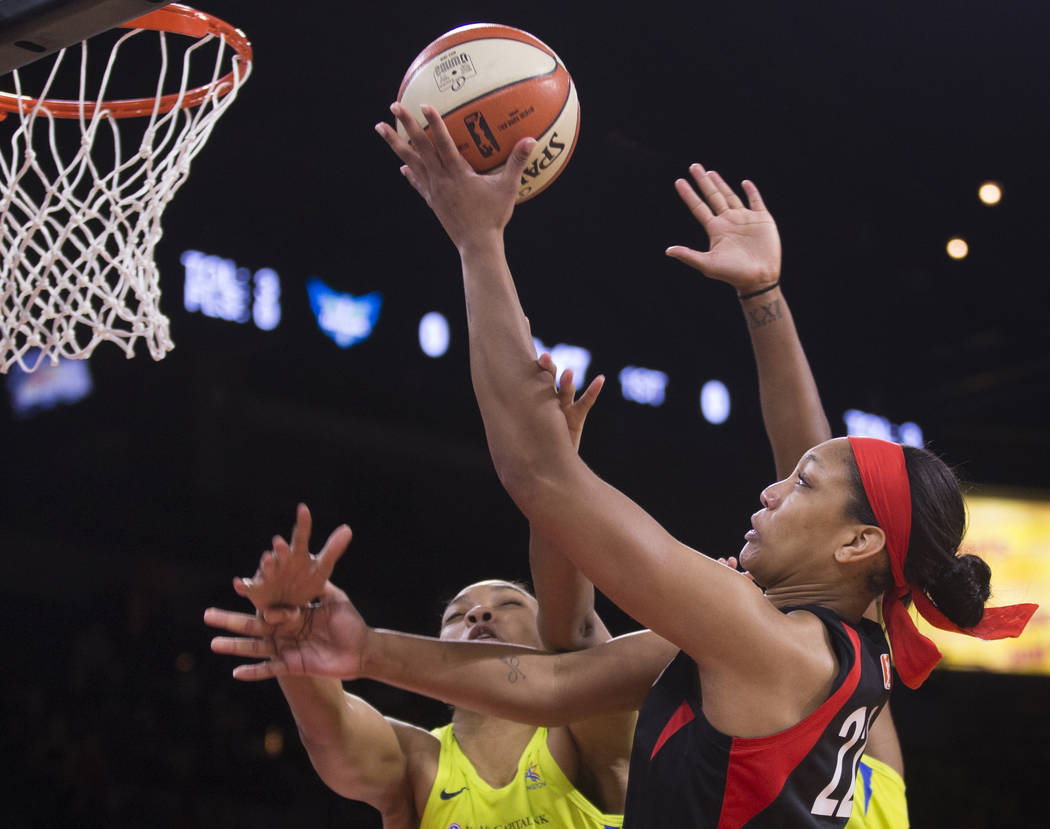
[(82, 198)]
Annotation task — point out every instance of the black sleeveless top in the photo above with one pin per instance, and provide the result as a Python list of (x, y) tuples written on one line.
[(684, 773)]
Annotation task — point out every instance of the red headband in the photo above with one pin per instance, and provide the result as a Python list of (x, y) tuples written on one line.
[(885, 479)]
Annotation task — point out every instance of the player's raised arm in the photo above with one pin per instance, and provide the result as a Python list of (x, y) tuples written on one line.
[(352, 746), (355, 750), (618, 546), (567, 618), (745, 253)]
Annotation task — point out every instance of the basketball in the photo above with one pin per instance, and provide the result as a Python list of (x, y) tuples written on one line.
[(493, 86)]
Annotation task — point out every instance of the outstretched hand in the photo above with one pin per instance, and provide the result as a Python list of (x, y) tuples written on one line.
[(288, 575), (470, 206), (745, 244), (575, 409), (326, 638)]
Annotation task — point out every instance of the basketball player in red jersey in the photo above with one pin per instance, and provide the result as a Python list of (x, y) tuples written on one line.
[(791, 678), (567, 619)]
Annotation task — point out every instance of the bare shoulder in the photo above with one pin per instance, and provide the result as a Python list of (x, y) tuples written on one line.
[(603, 746), (790, 672), (809, 642), (800, 651), (595, 756), (421, 750), (805, 623), (564, 751)]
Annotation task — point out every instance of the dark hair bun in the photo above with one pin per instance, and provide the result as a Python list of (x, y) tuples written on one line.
[(961, 588)]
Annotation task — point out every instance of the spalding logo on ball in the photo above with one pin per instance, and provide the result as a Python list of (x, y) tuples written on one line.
[(493, 86)]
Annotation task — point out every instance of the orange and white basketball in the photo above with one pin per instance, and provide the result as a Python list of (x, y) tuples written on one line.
[(494, 85)]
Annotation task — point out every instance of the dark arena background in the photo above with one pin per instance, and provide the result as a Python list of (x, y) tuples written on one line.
[(868, 128)]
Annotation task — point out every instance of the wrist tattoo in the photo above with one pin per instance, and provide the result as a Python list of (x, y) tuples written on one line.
[(764, 315), (515, 673)]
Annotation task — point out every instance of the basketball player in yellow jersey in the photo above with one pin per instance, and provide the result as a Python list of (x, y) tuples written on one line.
[(478, 771), (530, 786)]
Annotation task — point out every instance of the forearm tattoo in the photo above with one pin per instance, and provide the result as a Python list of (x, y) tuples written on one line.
[(764, 314), (515, 673)]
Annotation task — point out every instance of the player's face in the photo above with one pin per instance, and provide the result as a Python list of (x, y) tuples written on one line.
[(492, 611), (803, 518)]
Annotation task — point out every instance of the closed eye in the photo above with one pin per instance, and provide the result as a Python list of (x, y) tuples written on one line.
[(451, 618)]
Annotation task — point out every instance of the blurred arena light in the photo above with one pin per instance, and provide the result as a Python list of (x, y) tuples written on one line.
[(714, 401), (990, 193), (273, 742), (957, 248)]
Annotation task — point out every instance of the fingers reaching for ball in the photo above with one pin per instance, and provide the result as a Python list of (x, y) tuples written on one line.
[(512, 86)]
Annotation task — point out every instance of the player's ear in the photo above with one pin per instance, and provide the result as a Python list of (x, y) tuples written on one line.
[(864, 541)]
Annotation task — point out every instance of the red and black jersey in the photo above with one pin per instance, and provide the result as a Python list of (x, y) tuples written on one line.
[(684, 773)]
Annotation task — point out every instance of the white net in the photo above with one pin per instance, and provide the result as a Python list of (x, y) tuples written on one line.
[(81, 199)]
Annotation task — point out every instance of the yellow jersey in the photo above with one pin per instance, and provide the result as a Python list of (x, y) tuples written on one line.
[(878, 797), (539, 795)]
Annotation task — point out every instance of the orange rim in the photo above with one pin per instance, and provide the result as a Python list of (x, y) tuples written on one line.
[(176, 19)]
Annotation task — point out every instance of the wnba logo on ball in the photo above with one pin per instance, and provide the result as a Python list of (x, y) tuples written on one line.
[(481, 134), (537, 165)]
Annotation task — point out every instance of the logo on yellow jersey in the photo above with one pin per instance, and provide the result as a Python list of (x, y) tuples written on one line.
[(533, 778)]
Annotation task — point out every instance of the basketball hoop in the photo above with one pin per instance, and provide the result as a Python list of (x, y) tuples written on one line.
[(80, 214)]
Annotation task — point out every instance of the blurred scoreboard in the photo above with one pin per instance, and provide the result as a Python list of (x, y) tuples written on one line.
[(1013, 536)]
